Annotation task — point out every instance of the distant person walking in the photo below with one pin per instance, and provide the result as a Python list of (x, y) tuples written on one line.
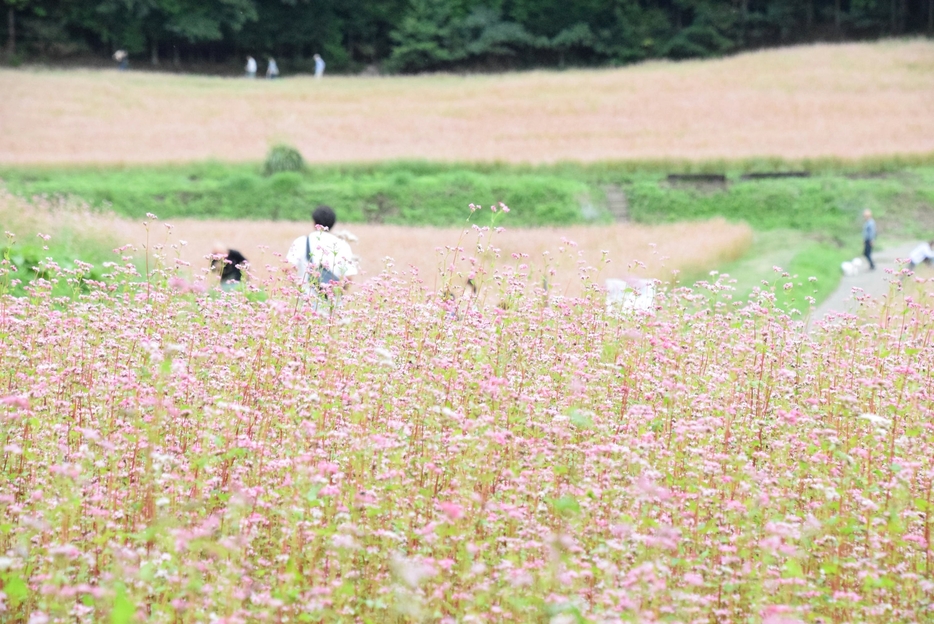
[(250, 67), (272, 70), (319, 66), (323, 261), (921, 254), (869, 237), (226, 263), (123, 59)]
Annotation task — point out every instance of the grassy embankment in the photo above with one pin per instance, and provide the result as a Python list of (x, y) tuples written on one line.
[(51, 237), (805, 225)]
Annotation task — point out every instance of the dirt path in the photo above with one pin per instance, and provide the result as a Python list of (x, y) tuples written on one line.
[(874, 284)]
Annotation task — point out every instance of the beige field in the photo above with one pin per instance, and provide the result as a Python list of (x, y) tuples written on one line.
[(633, 250), (849, 101)]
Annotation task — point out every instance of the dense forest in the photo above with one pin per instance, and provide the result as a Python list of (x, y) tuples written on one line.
[(425, 35)]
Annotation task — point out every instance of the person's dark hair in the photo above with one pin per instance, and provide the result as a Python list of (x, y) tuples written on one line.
[(324, 216)]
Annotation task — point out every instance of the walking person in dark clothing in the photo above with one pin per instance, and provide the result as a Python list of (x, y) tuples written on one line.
[(227, 262), (869, 237)]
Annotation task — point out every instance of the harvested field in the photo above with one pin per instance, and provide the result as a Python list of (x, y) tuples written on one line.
[(849, 101), (651, 251)]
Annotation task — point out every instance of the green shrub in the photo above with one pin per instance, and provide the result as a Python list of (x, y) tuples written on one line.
[(828, 204), (396, 193), (283, 158), (285, 182)]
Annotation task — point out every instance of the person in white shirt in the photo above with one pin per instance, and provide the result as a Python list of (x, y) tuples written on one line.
[(123, 59), (250, 67), (319, 66), (272, 70), (921, 254), (324, 262)]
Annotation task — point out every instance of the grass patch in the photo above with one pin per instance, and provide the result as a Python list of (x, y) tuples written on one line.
[(56, 245), (401, 194), (799, 258), (828, 204)]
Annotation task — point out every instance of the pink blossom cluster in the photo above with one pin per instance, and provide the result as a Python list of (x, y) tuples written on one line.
[(175, 455)]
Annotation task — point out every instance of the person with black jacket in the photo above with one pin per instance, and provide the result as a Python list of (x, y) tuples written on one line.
[(228, 263)]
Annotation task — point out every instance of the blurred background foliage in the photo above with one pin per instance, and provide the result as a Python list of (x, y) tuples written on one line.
[(434, 35)]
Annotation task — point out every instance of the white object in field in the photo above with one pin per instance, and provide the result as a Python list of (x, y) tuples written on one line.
[(346, 235), (848, 269), (630, 294)]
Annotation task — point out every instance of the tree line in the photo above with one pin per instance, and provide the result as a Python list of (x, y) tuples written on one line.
[(432, 35)]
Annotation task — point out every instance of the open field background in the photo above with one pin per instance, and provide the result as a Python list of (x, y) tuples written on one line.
[(633, 250), (833, 103), (804, 225), (847, 101)]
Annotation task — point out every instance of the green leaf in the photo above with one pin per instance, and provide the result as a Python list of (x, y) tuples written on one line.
[(312, 494), (16, 589), (580, 419), (124, 610), (567, 505), (147, 572), (346, 589), (793, 569)]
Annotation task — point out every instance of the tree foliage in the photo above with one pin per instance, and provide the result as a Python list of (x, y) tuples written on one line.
[(431, 35)]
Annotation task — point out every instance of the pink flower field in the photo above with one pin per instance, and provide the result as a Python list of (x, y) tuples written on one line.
[(171, 453)]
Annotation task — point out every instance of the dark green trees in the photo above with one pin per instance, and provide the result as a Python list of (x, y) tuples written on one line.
[(429, 35)]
